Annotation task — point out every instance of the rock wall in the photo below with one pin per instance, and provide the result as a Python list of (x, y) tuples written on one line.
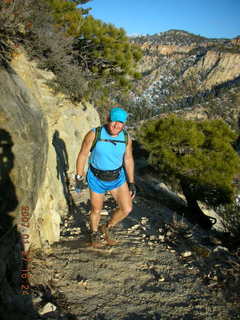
[(217, 67), (47, 131), (40, 137), (23, 158)]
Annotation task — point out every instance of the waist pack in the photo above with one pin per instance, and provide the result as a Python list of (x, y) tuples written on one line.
[(106, 175)]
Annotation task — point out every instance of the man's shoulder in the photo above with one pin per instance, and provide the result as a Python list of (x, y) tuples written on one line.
[(90, 134)]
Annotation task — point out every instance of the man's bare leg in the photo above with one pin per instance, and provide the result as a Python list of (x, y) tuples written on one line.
[(95, 215), (124, 201)]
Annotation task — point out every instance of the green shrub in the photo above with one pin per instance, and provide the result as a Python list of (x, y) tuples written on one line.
[(196, 156)]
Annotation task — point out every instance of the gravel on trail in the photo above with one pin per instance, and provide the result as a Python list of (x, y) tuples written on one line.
[(142, 277)]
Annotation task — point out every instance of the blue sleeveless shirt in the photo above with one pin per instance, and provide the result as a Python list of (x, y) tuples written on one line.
[(106, 155)]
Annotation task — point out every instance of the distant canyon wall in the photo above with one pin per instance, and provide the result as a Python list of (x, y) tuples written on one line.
[(215, 66)]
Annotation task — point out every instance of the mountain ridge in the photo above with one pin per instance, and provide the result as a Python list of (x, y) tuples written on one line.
[(181, 34), (182, 71)]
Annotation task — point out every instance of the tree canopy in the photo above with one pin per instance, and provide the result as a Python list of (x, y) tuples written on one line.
[(68, 15), (100, 49), (196, 155), (91, 60)]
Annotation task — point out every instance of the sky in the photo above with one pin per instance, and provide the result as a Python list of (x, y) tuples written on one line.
[(208, 18)]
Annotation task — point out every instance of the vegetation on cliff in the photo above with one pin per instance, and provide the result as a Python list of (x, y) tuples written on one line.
[(90, 59)]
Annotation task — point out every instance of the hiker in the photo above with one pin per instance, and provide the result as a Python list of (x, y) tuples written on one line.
[(111, 168)]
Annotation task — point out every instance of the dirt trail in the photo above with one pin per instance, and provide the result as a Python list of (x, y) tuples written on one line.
[(140, 278)]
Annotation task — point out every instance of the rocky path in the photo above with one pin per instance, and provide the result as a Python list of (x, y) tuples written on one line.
[(146, 276)]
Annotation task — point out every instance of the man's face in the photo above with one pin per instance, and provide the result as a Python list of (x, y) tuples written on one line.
[(114, 127)]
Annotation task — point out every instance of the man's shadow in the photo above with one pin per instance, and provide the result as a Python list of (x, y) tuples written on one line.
[(12, 298), (62, 168)]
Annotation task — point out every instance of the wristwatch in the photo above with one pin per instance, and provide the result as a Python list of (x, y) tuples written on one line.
[(78, 177)]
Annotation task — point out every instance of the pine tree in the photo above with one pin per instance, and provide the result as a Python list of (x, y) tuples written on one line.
[(103, 51), (68, 16), (197, 156)]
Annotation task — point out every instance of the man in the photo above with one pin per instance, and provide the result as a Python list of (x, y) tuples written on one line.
[(111, 169)]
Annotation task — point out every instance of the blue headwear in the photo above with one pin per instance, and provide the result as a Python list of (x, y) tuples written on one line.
[(118, 114)]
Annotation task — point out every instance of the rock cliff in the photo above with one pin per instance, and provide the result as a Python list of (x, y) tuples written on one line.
[(40, 136), (218, 67), (46, 131), (182, 71)]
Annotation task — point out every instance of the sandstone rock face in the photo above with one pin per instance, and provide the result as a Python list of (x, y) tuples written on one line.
[(218, 67), (23, 124), (236, 41), (40, 136), (167, 49), (47, 131), (23, 158), (182, 71)]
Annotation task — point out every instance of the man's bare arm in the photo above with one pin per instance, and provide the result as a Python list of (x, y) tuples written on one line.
[(83, 154), (129, 162)]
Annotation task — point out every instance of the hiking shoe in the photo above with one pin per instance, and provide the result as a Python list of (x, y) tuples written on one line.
[(95, 237), (107, 235)]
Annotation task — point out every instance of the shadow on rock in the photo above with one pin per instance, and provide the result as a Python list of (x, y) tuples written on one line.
[(15, 297), (62, 167)]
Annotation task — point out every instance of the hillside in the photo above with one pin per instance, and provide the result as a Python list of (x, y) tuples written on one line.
[(183, 71)]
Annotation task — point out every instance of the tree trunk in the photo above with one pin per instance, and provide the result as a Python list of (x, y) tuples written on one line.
[(194, 212)]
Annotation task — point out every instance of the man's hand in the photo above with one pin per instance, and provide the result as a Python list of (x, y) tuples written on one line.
[(78, 183), (132, 189)]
